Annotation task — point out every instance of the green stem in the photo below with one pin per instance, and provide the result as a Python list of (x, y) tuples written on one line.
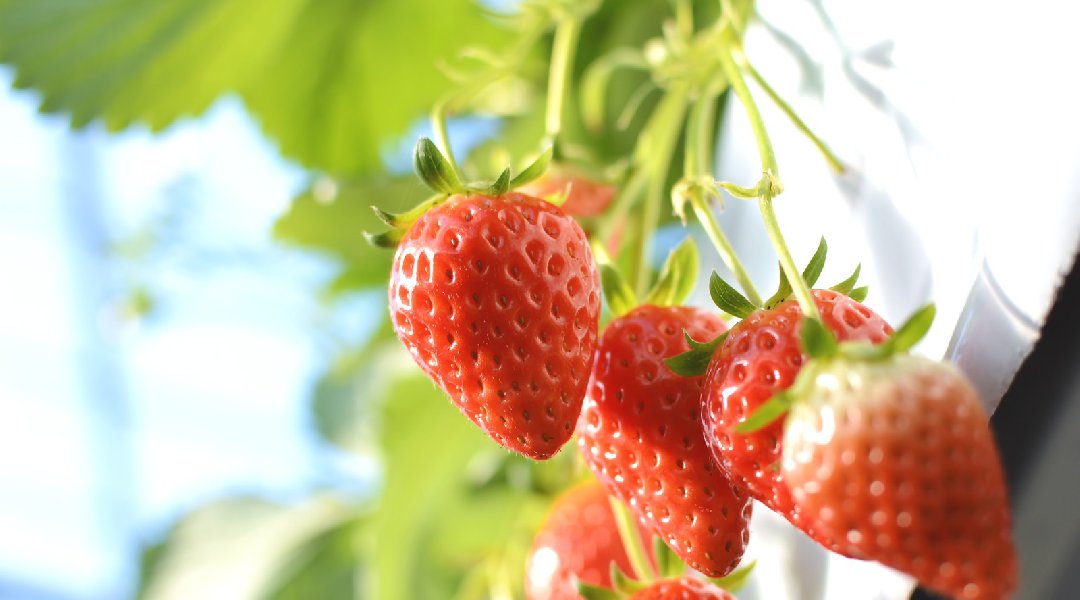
[(830, 157), (684, 18), (632, 542), (562, 62), (769, 186), (698, 163)]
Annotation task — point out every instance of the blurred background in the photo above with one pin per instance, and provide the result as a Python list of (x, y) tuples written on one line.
[(199, 390)]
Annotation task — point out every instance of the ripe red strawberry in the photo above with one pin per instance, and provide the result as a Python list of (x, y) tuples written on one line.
[(683, 588), (896, 458), (761, 356), (497, 299), (578, 539), (584, 197), (640, 433)]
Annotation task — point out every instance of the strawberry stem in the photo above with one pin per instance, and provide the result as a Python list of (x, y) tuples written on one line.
[(698, 163), (635, 548), (562, 62), (769, 186)]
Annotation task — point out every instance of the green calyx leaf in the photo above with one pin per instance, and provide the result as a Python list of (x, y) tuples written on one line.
[(810, 275), (534, 170), (695, 362), (816, 340), (728, 299), (859, 294), (386, 239), (735, 580), (622, 582), (404, 220), (677, 276), (848, 285), (765, 414), (501, 184), (913, 330), (619, 295), (668, 564), (434, 168), (594, 592)]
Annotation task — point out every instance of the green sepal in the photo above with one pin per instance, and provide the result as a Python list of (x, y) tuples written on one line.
[(593, 592), (622, 582), (534, 170), (728, 299), (677, 276), (913, 330), (695, 361), (816, 341), (618, 294), (434, 169), (767, 413), (405, 219), (668, 564), (501, 185), (859, 294), (846, 286), (735, 580), (386, 239), (810, 275)]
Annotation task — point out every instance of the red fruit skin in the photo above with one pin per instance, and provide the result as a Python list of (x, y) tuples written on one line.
[(903, 467), (579, 539), (640, 433), (760, 357), (684, 588), (498, 300), (584, 197)]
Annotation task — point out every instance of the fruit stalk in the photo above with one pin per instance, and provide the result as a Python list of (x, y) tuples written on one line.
[(562, 62), (632, 542)]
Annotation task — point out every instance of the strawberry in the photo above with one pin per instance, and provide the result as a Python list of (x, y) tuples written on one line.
[(497, 299), (579, 539), (895, 457), (640, 433), (585, 197), (760, 356), (683, 588)]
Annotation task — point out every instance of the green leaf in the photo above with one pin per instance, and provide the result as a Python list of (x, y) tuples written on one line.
[(677, 277), (386, 240), (620, 298), (734, 581), (728, 299), (768, 412), (329, 80), (813, 268), (913, 330), (326, 567), (330, 218), (695, 362), (816, 341), (434, 169), (859, 294), (404, 220), (848, 285), (783, 291), (594, 592), (535, 169)]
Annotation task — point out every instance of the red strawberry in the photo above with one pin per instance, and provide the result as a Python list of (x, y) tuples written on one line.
[(683, 588), (497, 299), (895, 458), (578, 539), (640, 433), (584, 197), (761, 356)]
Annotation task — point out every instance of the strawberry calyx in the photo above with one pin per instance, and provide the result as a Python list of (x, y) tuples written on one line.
[(673, 285), (438, 173), (624, 586), (728, 299), (823, 349)]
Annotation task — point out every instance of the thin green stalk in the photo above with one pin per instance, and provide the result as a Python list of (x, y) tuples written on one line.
[(442, 138), (698, 163), (562, 62), (830, 157), (632, 542), (769, 186), (684, 18)]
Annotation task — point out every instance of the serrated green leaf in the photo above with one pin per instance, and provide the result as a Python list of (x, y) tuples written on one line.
[(695, 362), (728, 299), (734, 581), (913, 330), (322, 77), (535, 169), (848, 285), (813, 268), (815, 340), (619, 296), (771, 410), (677, 277), (859, 294)]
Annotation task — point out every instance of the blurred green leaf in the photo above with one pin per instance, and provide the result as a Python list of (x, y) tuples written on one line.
[(330, 80), (241, 548)]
